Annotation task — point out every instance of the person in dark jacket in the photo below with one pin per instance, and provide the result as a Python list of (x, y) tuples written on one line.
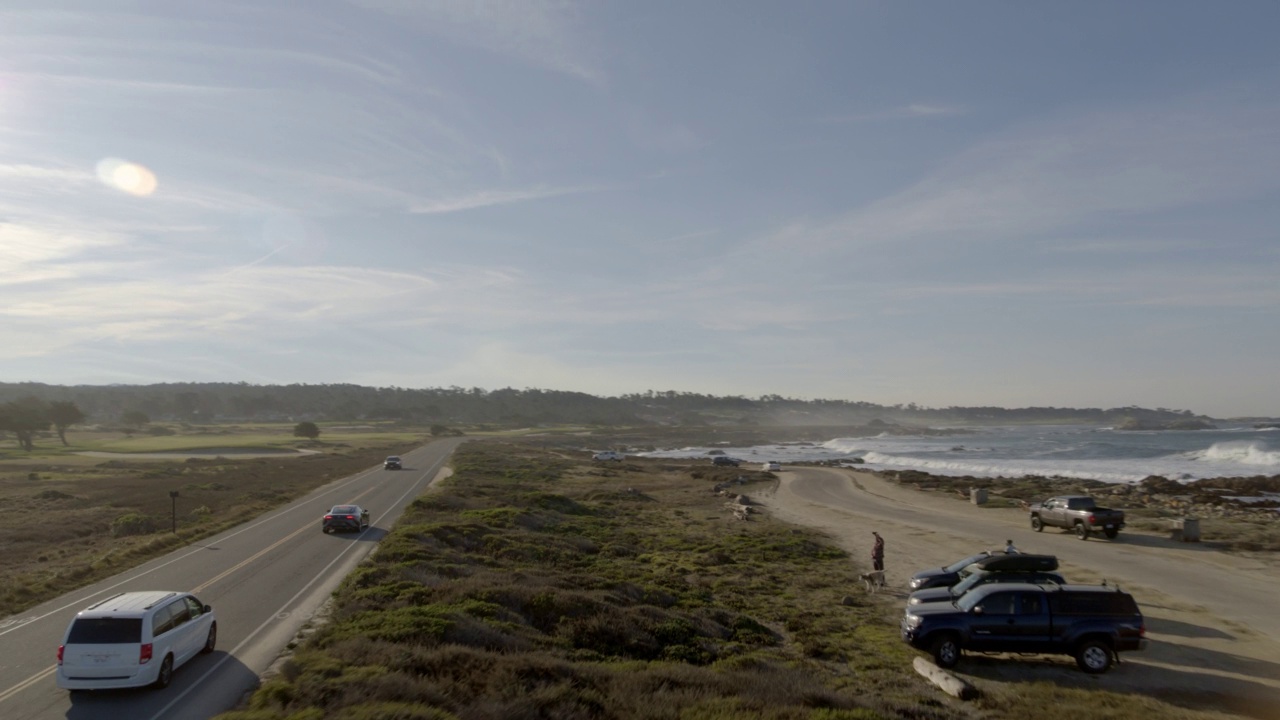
[(877, 552)]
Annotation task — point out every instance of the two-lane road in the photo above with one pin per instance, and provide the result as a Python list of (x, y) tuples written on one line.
[(264, 579)]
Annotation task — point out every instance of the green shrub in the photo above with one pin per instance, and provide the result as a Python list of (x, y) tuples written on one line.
[(132, 524)]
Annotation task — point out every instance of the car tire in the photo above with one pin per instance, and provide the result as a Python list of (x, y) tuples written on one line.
[(946, 651), (1082, 531), (1111, 533), (1094, 656), (326, 530), (1036, 523), (211, 641), (166, 673)]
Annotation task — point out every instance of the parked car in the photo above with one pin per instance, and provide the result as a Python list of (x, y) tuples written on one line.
[(392, 462), (1078, 513), (946, 575), (344, 518), (608, 455), (725, 460), (978, 578), (771, 466), (134, 639), (1091, 623)]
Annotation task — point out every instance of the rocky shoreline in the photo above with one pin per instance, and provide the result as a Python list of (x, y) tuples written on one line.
[(1254, 498)]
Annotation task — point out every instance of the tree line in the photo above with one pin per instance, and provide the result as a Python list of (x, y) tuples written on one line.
[(26, 408)]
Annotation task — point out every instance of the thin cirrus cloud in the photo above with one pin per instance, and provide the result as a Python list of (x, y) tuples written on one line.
[(913, 110), (489, 198), (1056, 176), (541, 32)]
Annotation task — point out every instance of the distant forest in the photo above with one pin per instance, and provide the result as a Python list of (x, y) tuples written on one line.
[(241, 402)]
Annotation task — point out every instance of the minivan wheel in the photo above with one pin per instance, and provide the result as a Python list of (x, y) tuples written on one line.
[(946, 651), (211, 641), (166, 673), (1094, 656)]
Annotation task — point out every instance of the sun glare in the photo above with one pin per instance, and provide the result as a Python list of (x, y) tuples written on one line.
[(126, 176)]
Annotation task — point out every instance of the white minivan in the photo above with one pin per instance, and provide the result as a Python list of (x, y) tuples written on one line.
[(134, 639)]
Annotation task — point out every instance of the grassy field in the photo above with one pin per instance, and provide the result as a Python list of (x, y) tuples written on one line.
[(535, 584), (94, 517)]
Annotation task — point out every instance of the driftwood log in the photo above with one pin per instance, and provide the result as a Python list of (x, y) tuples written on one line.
[(949, 683)]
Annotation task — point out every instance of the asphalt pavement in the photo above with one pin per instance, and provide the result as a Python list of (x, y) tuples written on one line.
[(264, 579)]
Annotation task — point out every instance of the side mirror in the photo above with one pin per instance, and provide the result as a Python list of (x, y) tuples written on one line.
[(208, 609), (977, 610)]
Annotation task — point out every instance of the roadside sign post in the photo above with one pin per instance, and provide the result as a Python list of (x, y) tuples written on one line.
[(173, 495)]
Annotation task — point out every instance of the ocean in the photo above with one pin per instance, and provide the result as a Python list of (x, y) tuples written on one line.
[(1076, 451)]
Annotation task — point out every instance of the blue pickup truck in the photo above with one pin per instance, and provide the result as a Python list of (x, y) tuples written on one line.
[(1088, 622)]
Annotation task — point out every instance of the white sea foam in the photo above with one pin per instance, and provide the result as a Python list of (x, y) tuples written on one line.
[(1007, 468), (1066, 451), (1243, 452)]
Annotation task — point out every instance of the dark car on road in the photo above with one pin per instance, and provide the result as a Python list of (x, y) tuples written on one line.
[(345, 518), (979, 578), (392, 462), (946, 575), (725, 460)]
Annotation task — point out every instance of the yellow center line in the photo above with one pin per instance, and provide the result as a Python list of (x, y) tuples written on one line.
[(27, 683), (205, 585)]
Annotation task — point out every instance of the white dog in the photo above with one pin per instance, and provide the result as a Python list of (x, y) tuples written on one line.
[(874, 581)]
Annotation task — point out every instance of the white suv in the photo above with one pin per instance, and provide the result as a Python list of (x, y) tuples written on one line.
[(607, 455), (134, 639)]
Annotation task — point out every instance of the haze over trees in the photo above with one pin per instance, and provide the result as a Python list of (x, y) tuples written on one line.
[(224, 402), (25, 417), (63, 414)]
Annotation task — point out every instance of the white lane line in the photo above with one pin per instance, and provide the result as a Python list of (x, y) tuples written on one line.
[(78, 602), (273, 617), (247, 528)]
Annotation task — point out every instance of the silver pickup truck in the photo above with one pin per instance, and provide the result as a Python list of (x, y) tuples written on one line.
[(1078, 513)]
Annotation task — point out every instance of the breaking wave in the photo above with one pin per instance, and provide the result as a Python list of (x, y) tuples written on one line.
[(1243, 452)]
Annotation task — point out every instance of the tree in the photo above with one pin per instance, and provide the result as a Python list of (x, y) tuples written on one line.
[(307, 430), (64, 414), (134, 418), (24, 418)]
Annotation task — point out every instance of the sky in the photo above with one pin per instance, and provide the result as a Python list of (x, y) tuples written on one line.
[(946, 203)]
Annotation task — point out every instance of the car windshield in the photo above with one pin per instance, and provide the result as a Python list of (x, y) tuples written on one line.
[(960, 565), (968, 583), (343, 510), (967, 602)]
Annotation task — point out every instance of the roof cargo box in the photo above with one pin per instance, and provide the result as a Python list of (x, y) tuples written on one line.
[(1019, 562)]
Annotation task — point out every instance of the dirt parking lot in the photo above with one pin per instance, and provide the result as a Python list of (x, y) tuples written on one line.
[(1215, 635)]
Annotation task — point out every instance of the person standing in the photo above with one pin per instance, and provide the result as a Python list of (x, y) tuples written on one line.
[(877, 553)]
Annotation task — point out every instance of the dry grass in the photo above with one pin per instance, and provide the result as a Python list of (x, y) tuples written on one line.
[(71, 542)]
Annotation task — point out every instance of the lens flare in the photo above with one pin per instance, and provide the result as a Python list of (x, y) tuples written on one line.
[(126, 176)]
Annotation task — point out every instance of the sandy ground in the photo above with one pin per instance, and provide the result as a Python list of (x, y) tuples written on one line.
[(1211, 616)]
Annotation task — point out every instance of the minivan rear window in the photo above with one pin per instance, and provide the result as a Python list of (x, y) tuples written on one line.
[(105, 631)]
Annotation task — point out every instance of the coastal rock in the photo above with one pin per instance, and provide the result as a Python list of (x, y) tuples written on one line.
[(1133, 423)]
